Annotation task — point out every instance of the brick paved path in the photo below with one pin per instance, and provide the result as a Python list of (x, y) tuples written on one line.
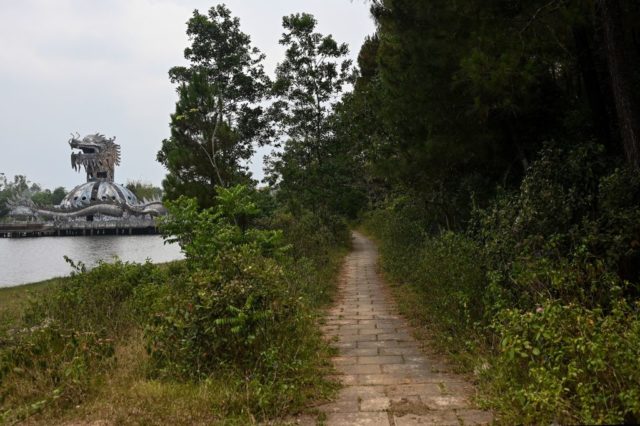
[(388, 379)]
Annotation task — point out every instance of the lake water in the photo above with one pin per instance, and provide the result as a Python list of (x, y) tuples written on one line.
[(27, 260)]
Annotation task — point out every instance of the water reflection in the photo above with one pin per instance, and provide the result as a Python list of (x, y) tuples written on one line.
[(25, 260)]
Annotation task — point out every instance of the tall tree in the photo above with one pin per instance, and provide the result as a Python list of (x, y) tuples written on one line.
[(623, 61), (308, 84), (218, 118)]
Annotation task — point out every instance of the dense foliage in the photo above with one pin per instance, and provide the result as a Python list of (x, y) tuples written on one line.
[(240, 311), (493, 149), (313, 169), (497, 142), (545, 284), (144, 190), (218, 117)]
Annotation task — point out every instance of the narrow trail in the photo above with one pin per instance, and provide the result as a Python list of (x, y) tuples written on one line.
[(387, 379)]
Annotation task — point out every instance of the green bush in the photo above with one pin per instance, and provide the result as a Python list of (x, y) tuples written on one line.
[(226, 316), (547, 281), (445, 273), (568, 364), (95, 300), (66, 340), (241, 309), (244, 309), (401, 233), (451, 275), (570, 233)]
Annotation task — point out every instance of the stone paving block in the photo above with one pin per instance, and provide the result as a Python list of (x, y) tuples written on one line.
[(358, 317), (444, 418), (385, 330), (362, 391), (338, 322), (349, 327), (368, 331), (444, 402), (388, 344), (389, 359), (344, 360), (423, 389), (355, 338), (343, 345), (388, 316), (343, 405), (358, 419), (363, 369), (395, 337), (418, 369), (347, 332), (383, 379), (376, 403), (359, 352), (407, 351)]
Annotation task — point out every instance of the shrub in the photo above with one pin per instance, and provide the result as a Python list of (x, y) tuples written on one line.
[(567, 234), (243, 310), (239, 311), (548, 278), (568, 364), (228, 315), (95, 300), (446, 274), (66, 341)]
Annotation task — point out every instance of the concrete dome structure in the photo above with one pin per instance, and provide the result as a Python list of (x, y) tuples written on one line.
[(100, 191), (99, 196)]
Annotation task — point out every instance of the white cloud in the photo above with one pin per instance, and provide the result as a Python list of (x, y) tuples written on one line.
[(101, 65)]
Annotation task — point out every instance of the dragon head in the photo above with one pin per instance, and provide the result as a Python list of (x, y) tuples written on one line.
[(97, 154)]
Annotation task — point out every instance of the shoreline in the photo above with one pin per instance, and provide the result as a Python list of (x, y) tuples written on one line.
[(42, 283)]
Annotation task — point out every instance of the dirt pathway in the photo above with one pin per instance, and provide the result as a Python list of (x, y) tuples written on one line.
[(388, 379)]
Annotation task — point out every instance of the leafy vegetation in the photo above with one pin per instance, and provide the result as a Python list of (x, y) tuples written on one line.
[(144, 190), (218, 116), (492, 148), (543, 284), (240, 310), (501, 166)]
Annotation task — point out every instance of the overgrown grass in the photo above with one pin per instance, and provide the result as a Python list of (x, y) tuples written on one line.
[(14, 299), (58, 374), (228, 336)]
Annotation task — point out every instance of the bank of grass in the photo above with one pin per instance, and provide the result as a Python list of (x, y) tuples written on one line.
[(121, 389), (14, 299), (228, 336)]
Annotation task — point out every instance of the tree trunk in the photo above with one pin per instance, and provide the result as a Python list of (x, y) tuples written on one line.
[(620, 60), (595, 86)]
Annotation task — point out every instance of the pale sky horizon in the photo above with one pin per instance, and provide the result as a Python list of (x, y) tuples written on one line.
[(91, 66)]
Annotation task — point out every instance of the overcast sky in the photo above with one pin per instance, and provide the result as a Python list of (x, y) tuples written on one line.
[(101, 65)]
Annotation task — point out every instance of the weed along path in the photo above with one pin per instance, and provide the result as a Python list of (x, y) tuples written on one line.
[(387, 379)]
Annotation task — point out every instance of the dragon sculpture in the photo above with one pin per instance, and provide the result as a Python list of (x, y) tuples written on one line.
[(98, 155), (99, 195)]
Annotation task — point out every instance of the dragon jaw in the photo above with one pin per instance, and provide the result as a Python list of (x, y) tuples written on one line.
[(97, 154)]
